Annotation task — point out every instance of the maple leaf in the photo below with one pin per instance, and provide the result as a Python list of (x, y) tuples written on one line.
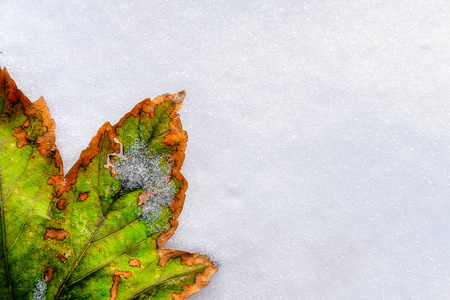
[(98, 231)]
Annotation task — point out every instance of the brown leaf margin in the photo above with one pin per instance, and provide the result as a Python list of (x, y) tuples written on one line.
[(189, 259)]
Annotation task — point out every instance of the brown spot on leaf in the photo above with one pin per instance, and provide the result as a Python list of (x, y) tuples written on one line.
[(58, 234), (125, 274), (115, 287), (21, 139), (26, 124), (134, 262), (49, 274), (143, 198), (61, 258), (83, 196), (116, 281), (61, 205), (22, 135)]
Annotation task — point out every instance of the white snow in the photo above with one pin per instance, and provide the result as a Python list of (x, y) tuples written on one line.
[(40, 289), (136, 168), (318, 158)]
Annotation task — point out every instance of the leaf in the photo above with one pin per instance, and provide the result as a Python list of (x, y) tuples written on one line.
[(98, 231)]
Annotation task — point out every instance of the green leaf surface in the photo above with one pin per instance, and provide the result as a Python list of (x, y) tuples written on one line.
[(97, 232)]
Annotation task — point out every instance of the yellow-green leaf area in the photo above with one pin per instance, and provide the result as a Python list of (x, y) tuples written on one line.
[(25, 196)]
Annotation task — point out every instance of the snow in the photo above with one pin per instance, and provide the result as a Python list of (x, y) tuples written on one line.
[(319, 133), (137, 169), (40, 289)]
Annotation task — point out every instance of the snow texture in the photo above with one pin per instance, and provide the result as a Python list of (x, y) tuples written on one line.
[(137, 168), (40, 289), (318, 158)]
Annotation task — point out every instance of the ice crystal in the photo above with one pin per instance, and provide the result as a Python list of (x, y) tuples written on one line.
[(139, 168), (40, 289)]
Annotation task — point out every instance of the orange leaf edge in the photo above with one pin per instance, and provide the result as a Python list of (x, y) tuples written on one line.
[(201, 280)]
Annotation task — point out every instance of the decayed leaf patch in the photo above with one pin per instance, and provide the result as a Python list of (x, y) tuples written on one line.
[(98, 231), (134, 262), (58, 234)]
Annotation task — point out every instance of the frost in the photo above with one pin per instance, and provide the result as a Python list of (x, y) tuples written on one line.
[(40, 289), (138, 168)]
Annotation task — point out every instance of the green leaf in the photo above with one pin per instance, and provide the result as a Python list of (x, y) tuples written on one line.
[(98, 232)]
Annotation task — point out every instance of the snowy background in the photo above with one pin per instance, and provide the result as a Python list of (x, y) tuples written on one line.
[(319, 131)]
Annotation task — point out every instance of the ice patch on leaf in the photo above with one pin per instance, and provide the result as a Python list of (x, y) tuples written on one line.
[(40, 289), (138, 168)]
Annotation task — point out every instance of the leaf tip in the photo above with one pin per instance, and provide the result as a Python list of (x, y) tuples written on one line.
[(189, 259), (179, 97)]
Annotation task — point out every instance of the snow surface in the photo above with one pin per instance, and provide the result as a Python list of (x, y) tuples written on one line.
[(318, 158)]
